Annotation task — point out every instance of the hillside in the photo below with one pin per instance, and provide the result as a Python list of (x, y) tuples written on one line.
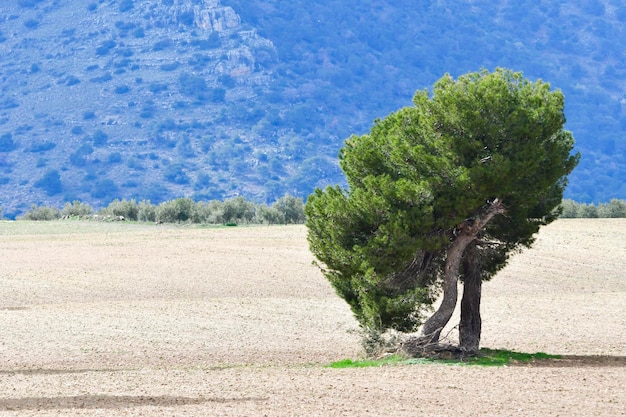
[(212, 99)]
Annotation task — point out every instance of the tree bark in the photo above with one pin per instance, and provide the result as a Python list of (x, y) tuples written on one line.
[(470, 325), (466, 233), (435, 324)]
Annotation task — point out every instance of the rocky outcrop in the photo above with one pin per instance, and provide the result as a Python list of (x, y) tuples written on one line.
[(209, 15), (242, 51), (214, 17)]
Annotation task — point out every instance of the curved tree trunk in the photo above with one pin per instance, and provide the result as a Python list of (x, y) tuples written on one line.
[(467, 232), (470, 325), (435, 324)]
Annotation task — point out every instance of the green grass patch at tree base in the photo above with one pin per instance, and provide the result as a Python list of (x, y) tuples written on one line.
[(486, 357)]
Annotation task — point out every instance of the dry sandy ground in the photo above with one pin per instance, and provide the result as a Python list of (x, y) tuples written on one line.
[(143, 320)]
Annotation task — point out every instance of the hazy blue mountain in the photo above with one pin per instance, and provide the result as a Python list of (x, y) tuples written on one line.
[(160, 99)]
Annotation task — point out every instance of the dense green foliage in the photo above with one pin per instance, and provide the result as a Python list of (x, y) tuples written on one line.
[(421, 173)]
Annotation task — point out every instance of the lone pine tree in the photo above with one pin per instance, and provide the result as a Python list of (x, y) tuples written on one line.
[(440, 191)]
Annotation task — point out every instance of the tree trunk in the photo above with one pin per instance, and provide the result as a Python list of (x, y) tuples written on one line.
[(435, 324), (470, 325), (466, 233)]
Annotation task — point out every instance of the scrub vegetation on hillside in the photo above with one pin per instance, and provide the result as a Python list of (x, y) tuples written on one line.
[(217, 99)]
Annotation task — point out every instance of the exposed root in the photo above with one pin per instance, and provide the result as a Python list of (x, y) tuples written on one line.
[(379, 345), (433, 347), (420, 347)]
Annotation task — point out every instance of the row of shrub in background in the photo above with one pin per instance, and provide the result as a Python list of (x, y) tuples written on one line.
[(613, 209), (287, 210)]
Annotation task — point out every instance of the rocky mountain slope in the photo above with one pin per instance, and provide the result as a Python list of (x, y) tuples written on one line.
[(143, 100), (210, 99)]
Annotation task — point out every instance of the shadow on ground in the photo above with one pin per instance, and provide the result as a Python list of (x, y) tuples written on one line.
[(110, 402), (578, 361)]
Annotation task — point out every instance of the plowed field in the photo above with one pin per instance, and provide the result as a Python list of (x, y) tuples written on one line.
[(144, 320)]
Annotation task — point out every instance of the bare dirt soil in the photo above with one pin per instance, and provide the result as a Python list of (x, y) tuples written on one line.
[(143, 320)]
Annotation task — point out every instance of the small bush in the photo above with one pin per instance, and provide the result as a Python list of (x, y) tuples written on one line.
[(186, 18), (588, 211), (20, 130), (203, 181), (238, 210), (106, 77), (42, 213), (114, 158), (375, 343), (146, 211), (124, 208), (157, 87), (212, 42), (72, 80), (105, 189), (105, 47), (173, 66), (78, 157), (614, 209), (8, 103), (41, 146), (122, 89), (211, 212), (76, 209), (136, 164), (291, 208), (176, 174), (193, 85), (269, 215), (161, 45), (50, 183), (28, 3), (99, 138), (121, 25), (227, 81), (126, 5), (147, 114), (7, 144), (31, 23), (139, 33), (175, 211)]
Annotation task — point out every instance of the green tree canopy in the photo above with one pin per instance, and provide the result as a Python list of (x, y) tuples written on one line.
[(481, 161)]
